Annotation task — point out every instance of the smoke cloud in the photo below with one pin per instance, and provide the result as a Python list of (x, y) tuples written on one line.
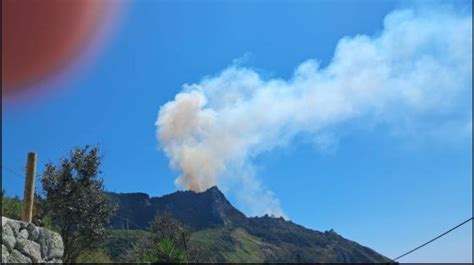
[(416, 71)]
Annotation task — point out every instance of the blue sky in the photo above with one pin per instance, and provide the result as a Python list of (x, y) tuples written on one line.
[(384, 189)]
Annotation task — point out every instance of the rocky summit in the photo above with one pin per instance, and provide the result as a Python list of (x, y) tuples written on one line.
[(199, 210), (229, 236)]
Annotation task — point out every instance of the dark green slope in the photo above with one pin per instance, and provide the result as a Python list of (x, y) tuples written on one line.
[(224, 234)]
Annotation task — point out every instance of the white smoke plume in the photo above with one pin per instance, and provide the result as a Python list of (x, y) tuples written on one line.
[(418, 68)]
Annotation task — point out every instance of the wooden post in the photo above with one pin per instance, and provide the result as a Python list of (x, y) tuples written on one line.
[(29, 195)]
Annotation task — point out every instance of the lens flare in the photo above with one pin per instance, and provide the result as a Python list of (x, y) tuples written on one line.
[(44, 41)]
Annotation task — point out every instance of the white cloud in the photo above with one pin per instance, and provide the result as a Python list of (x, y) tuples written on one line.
[(419, 66)]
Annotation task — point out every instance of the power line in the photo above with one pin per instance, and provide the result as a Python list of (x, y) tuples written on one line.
[(12, 172), (18, 174), (422, 245), (22, 176), (127, 219)]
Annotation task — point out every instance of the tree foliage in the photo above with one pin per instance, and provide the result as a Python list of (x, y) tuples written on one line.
[(11, 207), (166, 243), (165, 227), (76, 203)]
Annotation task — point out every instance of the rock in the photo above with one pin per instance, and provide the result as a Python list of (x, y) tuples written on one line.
[(30, 249), (5, 253), (17, 257), (9, 242), (33, 232), (7, 231), (23, 235), (43, 238), (26, 243), (8, 238), (23, 225), (15, 226), (55, 246), (51, 244), (54, 261)]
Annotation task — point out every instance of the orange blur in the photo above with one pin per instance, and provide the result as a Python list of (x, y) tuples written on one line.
[(40, 37)]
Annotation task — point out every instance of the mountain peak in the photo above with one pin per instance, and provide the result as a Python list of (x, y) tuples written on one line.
[(199, 210), (216, 194), (212, 189)]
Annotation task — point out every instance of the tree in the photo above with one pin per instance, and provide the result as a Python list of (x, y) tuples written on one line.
[(167, 242), (76, 202), (166, 227)]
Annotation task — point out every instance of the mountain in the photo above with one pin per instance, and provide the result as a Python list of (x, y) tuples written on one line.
[(226, 235), (198, 210)]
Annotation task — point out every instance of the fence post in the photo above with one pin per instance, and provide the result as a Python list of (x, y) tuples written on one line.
[(29, 194)]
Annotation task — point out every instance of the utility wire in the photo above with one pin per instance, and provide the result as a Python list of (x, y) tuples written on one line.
[(127, 219), (22, 176), (422, 245), (16, 173), (12, 172)]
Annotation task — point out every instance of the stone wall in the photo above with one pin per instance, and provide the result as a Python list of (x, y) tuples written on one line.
[(26, 243)]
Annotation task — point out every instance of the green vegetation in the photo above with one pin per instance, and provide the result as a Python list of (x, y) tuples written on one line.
[(11, 207), (229, 245), (94, 256), (210, 245), (247, 248), (221, 233), (119, 242), (166, 242), (76, 203), (163, 251)]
